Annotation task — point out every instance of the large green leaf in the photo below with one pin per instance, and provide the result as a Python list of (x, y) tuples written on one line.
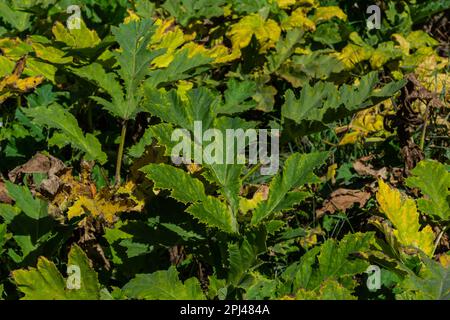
[(433, 283), (228, 175), (214, 213), (200, 105), (185, 10), (182, 67), (329, 290), (55, 116), (185, 188), (301, 69), (298, 170), (238, 97), (323, 103), (134, 60), (426, 9), (243, 256), (46, 283), (18, 19), (163, 285), (331, 261), (33, 207), (335, 258), (108, 82), (433, 180)]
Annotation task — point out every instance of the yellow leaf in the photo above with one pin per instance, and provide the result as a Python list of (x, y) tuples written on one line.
[(298, 19), (266, 32), (304, 51), (14, 48), (107, 204), (219, 53), (76, 38), (12, 83), (227, 10), (6, 66), (168, 36), (350, 138), (222, 54), (28, 84), (308, 3), (132, 16), (353, 54), (420, 38), (246, 205), (432, 75), (183, 88), (405, 218), (403, 44), (50, 54), (327, 13), (283, 4), (445, 260), (331, 173), (310, 239)]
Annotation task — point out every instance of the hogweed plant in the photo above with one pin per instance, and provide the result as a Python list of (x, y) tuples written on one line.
[(221, 149)]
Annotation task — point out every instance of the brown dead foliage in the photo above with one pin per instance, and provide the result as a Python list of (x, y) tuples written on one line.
[(407, 121), (342, 200), (4, 197)]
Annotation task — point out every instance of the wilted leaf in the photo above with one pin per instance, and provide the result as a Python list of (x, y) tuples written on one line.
[(76, 38), (342, 200), (327, 13), (12, 83), (107, 204), (405, 218), (266, 32)]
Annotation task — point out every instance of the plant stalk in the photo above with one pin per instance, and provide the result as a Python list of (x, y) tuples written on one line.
[(120, 152), (424, 132), (251, 171), (438, 240)]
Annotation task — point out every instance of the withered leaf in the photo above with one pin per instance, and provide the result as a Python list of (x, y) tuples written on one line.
[(364, 169), (38, 164), (342, 200), (13, 83), (4, 197)]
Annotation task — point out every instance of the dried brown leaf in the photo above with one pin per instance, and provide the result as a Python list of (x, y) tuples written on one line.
[(342, 200)]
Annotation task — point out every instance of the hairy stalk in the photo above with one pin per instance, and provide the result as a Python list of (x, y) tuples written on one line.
[(252, 171), (120, 152)]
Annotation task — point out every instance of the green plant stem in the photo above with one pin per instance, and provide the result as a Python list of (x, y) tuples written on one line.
[(252, 171), (120, 152)]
